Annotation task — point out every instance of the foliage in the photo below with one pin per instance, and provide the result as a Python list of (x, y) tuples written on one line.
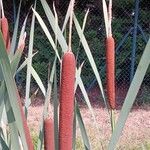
[(17, 135)]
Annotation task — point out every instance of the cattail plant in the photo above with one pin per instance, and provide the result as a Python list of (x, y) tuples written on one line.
[(110, 67), (49, 134), (67, 95), (5, 29), (110, 59), (67, 101)]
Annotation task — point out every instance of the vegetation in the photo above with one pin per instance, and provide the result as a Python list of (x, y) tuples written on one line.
[(14, 130), (94, 33)]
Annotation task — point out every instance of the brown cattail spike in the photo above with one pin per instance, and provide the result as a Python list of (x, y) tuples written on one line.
[(110, 70), (49, 134), (5, 32), (67, 101)]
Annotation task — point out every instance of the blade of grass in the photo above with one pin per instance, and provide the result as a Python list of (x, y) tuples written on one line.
[(29, 64), (34, 74), (1, 75), (14, 37), (16, 58), (105, 13), (51, 20), (66, 18), (90, 57), (83, 27), (38, 80), (131, 95), (47, 33), (55, 103), (2, 92), (55, 97), (82, 128), (11, 88), (12, 124), (24, 64), (3, 145), (81, 85)]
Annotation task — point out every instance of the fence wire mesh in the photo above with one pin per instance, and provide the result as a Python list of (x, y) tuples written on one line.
[(131, 29)]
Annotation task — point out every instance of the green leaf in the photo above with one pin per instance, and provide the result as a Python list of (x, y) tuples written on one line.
[(38, 80), (16, 58), (81, 85), (51, 20), (66, 17), (105, 13), (11, 88), (82, 128), (90, 57), (14, 38), (12, 124), (24, 64), (131, 95), (2, 92), (56, 103), (29, 64), (47, 33), (3, 145)]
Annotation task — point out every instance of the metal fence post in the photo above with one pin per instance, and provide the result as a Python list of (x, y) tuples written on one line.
[(134, 46)]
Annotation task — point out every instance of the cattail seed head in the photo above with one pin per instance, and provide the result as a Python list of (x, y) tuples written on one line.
[(49, 134), (110, 70), (67, 101), (5, 32)]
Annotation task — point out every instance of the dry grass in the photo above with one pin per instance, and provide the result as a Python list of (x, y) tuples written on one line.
[(135, 133)]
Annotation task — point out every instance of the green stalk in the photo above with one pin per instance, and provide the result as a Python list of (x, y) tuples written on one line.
[(112, 119)]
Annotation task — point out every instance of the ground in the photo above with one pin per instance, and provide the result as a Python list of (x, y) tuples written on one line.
[(136, 132)]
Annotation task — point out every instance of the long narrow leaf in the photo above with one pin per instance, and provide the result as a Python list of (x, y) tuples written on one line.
[(55, 103), (14, 38), (29, 64), (105, 13), (131, 95), (11, 88), (2, 92), (67, 17), (51, 20), (3, 145), (24, 64), (47, 33), (38, 80), (12, 124), (82, 128), (90, 57)]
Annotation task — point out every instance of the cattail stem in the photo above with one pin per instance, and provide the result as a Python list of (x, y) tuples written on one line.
[(49, 134), (112, 120), (67, 102)]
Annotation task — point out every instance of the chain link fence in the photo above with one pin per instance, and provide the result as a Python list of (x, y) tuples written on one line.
[(131, 29)]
